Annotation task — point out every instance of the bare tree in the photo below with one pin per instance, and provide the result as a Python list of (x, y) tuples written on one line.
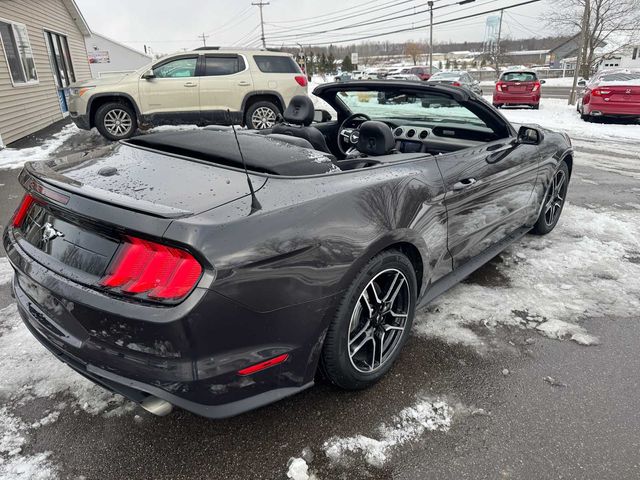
[(613, 22), (414, 50)]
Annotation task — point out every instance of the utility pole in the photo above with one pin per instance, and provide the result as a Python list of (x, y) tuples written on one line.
[(498, 44), (261, 4), (430, 3), (204, 38), (583, 45)]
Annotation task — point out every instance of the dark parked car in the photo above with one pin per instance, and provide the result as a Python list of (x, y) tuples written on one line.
[(456, 78), (611, 93), (521, 88), (177, 269)]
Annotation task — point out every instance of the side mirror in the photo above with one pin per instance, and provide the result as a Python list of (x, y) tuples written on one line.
[(529, 136), (542, 82), (320, 116), (582, 83), (148, 75)]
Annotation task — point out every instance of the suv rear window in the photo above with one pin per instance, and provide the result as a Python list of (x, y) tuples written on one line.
[(215, 65), (276, 64), (519, 77)]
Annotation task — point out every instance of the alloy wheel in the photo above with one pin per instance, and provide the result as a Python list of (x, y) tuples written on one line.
[(118, 122), (555, 198), (263, 117), (378, 321)]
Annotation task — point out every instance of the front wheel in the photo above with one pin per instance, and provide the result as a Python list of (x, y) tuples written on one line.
[(372, 323), (553, 201), (261, 115), (115, 121)]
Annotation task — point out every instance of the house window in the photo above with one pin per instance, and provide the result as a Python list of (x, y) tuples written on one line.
[(18, 53)]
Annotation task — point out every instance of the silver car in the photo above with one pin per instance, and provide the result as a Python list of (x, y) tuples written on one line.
[(457, 78)]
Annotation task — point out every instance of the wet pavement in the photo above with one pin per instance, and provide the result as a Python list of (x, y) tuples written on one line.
[(524, 407)]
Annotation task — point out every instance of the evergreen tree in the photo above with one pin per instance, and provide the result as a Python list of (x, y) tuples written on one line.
[(347, 66)]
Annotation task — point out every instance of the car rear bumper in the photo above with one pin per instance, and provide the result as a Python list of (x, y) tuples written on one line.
[(81, 121), (617, 109), (516, 99), (173, 353)]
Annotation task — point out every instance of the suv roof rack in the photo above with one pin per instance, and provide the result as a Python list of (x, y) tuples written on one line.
[(268, 49)]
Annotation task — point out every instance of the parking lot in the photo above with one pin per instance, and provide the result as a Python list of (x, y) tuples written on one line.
[(528, 366)]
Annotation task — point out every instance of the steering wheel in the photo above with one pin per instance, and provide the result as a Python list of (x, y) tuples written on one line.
[(349, 132)]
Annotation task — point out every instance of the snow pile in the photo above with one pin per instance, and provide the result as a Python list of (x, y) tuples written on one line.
[(6, 271), (584, 269), (408, 425), (555, 114), (16, 158), (299, 470)]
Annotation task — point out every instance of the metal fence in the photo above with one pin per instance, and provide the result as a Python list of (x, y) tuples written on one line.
[(484, 75)]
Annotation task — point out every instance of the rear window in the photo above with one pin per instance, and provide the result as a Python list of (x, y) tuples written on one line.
[(621, 78), (276, 64), (222, 65), (519, 77)]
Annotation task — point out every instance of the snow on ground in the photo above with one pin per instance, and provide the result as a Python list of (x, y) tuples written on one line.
[(6, 272), (555, 114), (299, 470), (16, 158), (586, 268), (408, 425)]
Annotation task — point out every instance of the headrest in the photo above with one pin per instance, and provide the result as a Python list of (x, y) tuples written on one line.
[(375, 138), (300, 111)]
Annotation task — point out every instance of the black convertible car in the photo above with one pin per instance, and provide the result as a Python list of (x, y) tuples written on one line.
[(218, 271)]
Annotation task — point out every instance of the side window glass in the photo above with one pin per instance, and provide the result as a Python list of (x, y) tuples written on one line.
[(221, 65), (180, 68)]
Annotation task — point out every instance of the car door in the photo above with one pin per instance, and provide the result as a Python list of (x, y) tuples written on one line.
[(171, 94), (488, 193), (225, 80)]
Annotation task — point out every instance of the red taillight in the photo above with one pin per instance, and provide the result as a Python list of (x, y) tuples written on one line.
[(22, 210), (600, 92), (158, 271), (262, 365), (499, 86), (302, 80), (536, 87), (456, 84)]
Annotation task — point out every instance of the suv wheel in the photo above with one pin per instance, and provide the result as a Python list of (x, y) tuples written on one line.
[(261, 115), (115, 121)]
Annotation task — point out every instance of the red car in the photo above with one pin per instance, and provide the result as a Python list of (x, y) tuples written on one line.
[(518, 88), (612, 93)]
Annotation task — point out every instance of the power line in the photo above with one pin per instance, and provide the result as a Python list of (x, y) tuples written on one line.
[(204, 38), (371, 22), (337, 15), (261, 4), (417, 27)]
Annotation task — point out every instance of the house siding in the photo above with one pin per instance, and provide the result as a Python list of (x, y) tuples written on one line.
[(25, 109)]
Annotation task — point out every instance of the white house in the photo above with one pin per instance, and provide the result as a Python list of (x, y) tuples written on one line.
[(108, 57), (626, 57)]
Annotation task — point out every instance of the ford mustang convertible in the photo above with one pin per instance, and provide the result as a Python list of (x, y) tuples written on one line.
[(218, 270)]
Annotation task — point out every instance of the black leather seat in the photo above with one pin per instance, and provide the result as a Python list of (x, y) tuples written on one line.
[(298, 117), (375, 139)]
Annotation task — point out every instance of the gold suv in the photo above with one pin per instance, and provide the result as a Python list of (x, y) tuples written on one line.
[(205, 86)]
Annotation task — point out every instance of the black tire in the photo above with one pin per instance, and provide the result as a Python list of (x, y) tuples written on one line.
[(263, 106), (586, 118), (546, 222), (336, 362), (536, 106), (109, 113), (497, 105)]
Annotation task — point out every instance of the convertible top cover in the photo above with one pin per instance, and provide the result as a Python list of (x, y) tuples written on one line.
[(262, 153)]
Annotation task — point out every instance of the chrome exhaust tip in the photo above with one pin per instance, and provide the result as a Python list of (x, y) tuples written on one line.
[(157, 406)]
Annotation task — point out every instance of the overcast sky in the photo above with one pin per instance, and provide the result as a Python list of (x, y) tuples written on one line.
[(167, 26)]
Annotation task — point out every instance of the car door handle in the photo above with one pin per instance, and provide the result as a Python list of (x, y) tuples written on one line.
[(243, 84), (465, 183), (190, 84)]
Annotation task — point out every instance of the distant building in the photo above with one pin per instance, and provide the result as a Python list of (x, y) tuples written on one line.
[(625, 57), (109, 57), (529, 57), (43, 53)]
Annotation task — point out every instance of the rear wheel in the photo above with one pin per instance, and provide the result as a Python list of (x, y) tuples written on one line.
[(497, 105), (372, 323), (115, 120), (261, 115), (553, 201), (536, 106)]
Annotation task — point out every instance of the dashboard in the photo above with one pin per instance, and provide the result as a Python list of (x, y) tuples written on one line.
[(441, 138)]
